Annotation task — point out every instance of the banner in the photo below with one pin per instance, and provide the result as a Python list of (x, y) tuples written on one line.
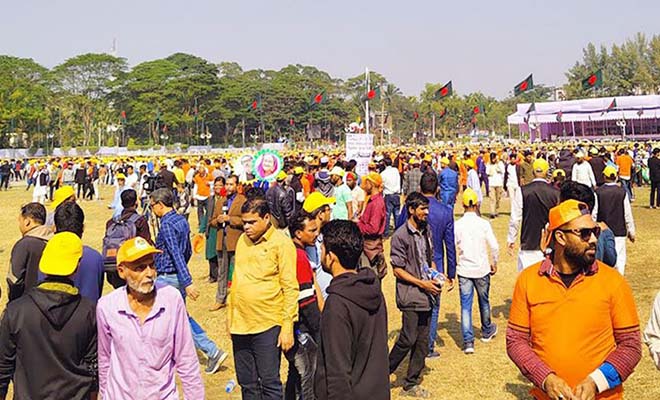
[(360, 147)]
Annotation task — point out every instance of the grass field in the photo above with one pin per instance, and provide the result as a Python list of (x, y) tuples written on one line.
[(487, 374)]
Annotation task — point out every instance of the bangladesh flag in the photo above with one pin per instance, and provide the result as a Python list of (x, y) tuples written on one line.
[(373, 94), (522, 87), (594, 80), (640, 112), (612, 105), (318, 98), (478, 110), (532, 108), (292, 122), (256, 104), (123, 118), (443, 113), (444, 91), (415, 115)]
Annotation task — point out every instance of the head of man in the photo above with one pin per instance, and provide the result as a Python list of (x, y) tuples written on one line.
[(318, 206), (573, 237), (129, 169), (656, 152), (528, 156), (218, 185), (429, 184), (31, 216), (129, 199), (418, 209), (470, 200), (161, 201), (61, 255), (135, 264), (610, 173), (579, 157), (336, 175), (540, 167), (231, 186), (304, 229), (351, 180), (371, 183), (69, 217), (571, 190), (255, 215), (341, 247)]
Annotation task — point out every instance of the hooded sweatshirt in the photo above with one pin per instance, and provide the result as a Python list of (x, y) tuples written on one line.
[(25, 256), (48, 344), (353, 355)]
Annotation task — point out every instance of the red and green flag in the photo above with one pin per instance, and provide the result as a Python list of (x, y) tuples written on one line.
[(612, 105), (522, 87), (292, 122), (318, 98), (443, 113), (444, 91), (123, 118), (373, 94), (256, 104), (594, 80), (478, 110), (415, 115)]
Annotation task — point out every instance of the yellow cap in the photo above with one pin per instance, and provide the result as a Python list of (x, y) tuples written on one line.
[(413, 161), (610, 172), (62, 194), (280, 176), (298, 170), (428, 158), (315, 200), (469, 163), (134, 249), (444, 161), (336, 170), (120, 176), (558, 172), (470, 198), (540, 165), (61, 254)]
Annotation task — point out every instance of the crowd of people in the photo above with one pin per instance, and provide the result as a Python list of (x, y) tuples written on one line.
[(299, 263)]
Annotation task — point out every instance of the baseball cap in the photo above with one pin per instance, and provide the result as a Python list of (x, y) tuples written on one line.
[(428, 158), (61, 194), (540, 165), (610, 172), (134, 249), (373, 177), (61, 254), (351, 175), (337, 171), (120, 176), (324, 160), (281, 176), (558, 172), (593, 151), (316, 200), (470, 198), (579, 154), (413, 161), (444, 161), (298, 170), (566, 212), (469, 163)]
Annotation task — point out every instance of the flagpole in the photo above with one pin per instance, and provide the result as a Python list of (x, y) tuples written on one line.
[(433, 127), (366, 108)]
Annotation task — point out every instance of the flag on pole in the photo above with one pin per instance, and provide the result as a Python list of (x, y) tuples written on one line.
[(318, 98), (443, 113), (594, 80), (256, 104), (415, 115), (640, 113), (532, 108), (123, 118), (478, 110), (522, 87), (373, 94), (444, 91), (612, 105), (292, 122)]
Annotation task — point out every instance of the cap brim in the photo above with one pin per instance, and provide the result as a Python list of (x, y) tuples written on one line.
[(139, 255)]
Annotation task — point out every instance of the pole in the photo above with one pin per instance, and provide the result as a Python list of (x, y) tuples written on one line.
[(433, 126), (573, 128), (243, 133), (509, 125), (366, 107), (382, 121)]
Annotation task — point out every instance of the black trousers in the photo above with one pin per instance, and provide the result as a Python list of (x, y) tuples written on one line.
[(213, 268), (655, 191), (257, 363), (413, 339)]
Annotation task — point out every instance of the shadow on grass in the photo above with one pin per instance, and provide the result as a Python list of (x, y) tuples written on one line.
[(519, 390), (452, 324), (502, 310)]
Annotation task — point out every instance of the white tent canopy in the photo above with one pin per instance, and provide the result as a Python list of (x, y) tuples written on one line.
[(596, 109)]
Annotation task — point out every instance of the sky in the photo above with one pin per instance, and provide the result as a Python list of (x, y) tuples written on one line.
[(486, 46)]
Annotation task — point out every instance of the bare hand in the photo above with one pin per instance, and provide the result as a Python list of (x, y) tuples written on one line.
[(586, 390), (450, 284), (429, 287), (557, 388), (511, 248), (192, 292), (631, 237), (285, 340), (493, 269)]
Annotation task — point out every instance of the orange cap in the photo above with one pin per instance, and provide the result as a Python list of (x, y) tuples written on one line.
[(566, 212), (134, 249), (374, 177)]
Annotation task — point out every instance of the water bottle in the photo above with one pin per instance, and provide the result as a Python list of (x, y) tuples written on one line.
[(224, 212), (434, 275), (229, 387)]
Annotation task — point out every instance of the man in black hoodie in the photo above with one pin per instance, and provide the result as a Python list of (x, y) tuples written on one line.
[(48, 336), (352, 356)]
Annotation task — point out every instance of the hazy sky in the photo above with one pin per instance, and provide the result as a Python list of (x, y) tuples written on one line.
[(480, 45)]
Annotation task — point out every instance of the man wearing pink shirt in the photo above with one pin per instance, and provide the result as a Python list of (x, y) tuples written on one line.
[(144, 334)]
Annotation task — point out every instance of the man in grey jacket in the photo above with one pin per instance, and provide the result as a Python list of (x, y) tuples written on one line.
[(412, 260)]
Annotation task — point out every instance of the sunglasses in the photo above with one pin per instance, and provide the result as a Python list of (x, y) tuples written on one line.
[(584, 233)]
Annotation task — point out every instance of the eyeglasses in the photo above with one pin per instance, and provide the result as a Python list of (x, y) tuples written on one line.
[(584, 233)]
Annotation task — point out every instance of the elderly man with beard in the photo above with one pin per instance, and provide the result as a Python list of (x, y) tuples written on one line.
[(573, 327), (144, 335)]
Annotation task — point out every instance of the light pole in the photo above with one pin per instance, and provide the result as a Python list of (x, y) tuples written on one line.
[(164, 137), (622, 124), (206, 136), (50, 137)]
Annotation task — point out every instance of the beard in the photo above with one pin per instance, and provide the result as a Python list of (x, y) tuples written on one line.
[(421, 224), (145, 286), (580, 258)]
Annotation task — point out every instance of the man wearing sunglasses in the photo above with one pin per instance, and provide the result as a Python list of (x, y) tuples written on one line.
[(586, 339)]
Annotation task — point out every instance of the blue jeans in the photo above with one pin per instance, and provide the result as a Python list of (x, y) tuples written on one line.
[(201, 339), (467, 287), (625, 183), (393, 206), (433, 329)]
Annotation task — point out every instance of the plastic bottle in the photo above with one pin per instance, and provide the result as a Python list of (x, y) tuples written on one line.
[(230, 386), (434, 275)]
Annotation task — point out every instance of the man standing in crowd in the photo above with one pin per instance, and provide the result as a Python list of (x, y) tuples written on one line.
[(495, 173), (473, 181), (143, 314), (281, 203), (373, 223), (474, 237), (352, 355), (411, 256), (625, 164), (573, 327), (343, 208), (391, 183), (211, 232), (48, 336), (263, 303), (511, 177), (227, 219), (411, 178), (357, 193), (318, 207), (654, 175), (597, 165), (448, 181), (614, 209), (582, 172), (529, 207), (172, 267), (167, 177), (525, 170), (25, 255)]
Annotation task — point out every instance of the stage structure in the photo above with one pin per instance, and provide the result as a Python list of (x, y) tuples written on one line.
[(624, 117)]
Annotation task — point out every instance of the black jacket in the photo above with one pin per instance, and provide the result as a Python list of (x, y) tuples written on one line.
[(281, 203), (654, 169), (25, 256), (353, 356), (48, 345)]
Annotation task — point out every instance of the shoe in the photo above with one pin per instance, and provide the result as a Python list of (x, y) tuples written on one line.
[(215, 362), (416, 391), (433, 354), (490, 337), (217, 306), (468, 348)]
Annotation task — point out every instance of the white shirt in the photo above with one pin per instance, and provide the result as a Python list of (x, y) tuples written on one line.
[(132, 181), (474, 236), (512, 178), (584, 174), (474, 183), (391, 181), (495, 174), (358, 197), (652, 332)]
